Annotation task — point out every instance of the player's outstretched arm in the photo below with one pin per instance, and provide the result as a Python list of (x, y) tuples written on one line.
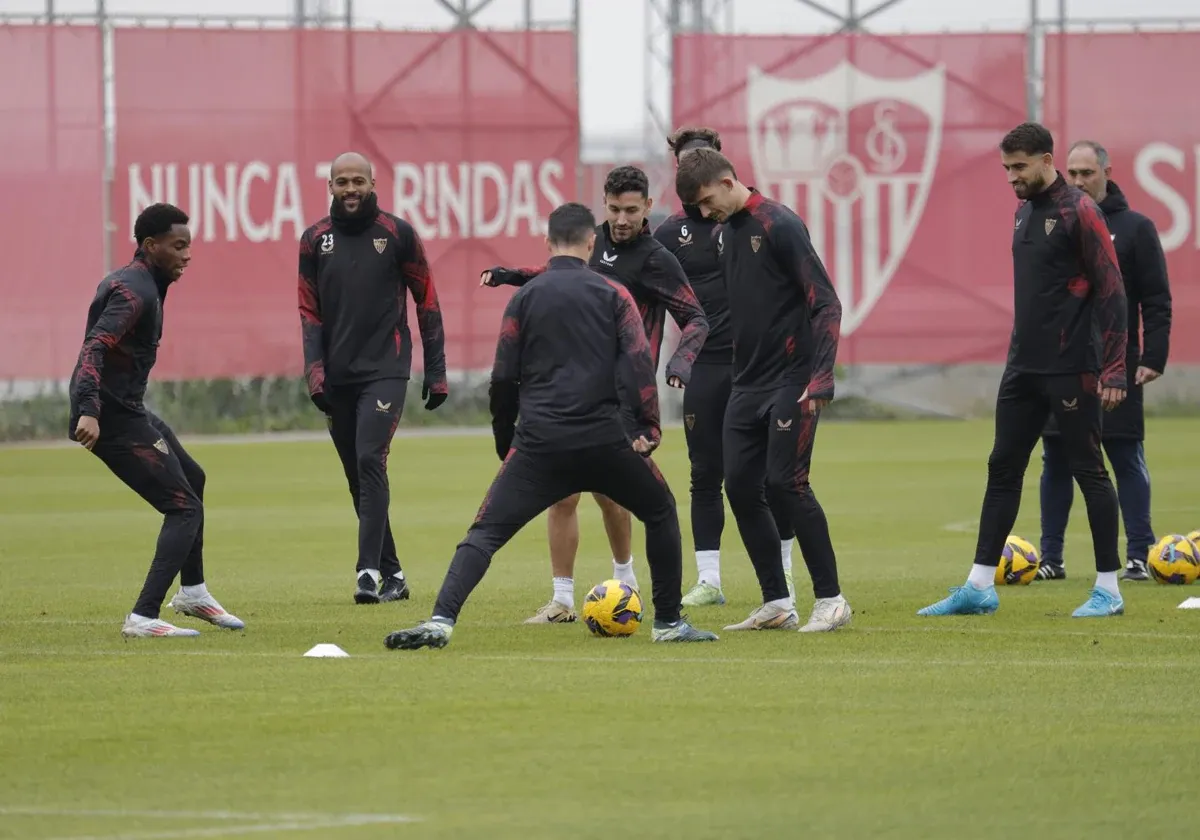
[(1100, 263), (310, 324), (666, 281), (501, 276), (1155, 291), (796, 254), (121, 312), (504, 390), (414, 268), (632, 344)]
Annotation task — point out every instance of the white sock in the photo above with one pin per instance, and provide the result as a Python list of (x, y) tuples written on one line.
[(786, 546), (1108, 582), (782, 603), (624, 572), (564, 591), (982, 577), (374, 573), (399, 575), (137, 617), (200, 590), (708, 567)]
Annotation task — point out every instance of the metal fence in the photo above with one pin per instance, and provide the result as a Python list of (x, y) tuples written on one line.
[(884, 143)]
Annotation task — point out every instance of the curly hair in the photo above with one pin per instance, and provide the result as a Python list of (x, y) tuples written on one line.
[(157, 220), (1029, 138), (692, 137), (627, 179)]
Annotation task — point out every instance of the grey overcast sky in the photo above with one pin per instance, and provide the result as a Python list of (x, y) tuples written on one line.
[(613, 33)]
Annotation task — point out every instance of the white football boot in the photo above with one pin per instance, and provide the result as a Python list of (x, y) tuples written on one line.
[(769, 617), (148, 628), (207, 609), (552, 613), (828, 614)]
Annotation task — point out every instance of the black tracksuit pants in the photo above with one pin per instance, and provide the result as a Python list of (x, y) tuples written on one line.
[(768, 446), (362, 422), (704, 402), (143, 452), (1023, 404), (529, 483)]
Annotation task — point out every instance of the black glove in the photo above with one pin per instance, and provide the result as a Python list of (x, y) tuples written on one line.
[(503, 434), (318, 399), (434, 392)]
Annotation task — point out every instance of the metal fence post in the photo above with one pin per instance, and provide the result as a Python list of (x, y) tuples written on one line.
[(108, 58)]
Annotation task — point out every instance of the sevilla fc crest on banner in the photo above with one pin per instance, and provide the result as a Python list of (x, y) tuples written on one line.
[(855, 156)]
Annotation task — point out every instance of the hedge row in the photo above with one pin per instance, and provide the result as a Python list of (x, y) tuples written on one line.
[(227, 406), (282, 405)]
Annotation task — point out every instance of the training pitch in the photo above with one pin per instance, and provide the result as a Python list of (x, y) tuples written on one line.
[(1025, 723)]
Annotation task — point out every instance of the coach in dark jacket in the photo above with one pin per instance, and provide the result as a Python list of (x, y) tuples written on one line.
[(1144, 270)]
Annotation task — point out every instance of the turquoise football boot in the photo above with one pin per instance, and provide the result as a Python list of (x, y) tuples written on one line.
[(965, 600), (1100, 604)]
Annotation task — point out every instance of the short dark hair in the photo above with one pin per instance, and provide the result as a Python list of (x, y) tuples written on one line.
[(626, 179), (157, 220), (1028, 138), (697, 169), (570, 224), (692, 137)]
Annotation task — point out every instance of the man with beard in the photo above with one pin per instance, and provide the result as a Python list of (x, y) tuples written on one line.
[(1144, 272), (627, 252), (689, 236), (357, 266), (1066, 358), (109, 417)]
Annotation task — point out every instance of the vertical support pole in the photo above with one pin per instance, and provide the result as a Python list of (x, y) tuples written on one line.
[(1061, 53), (52, 88), (576, 9), (109, 110), (1033, 43)]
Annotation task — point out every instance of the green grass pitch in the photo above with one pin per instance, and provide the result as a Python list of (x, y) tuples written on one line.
[(1026, 723)]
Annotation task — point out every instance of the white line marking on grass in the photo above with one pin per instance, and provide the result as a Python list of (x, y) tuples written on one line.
[(39, 811), (805, 661), (235, 830), (247, 823)]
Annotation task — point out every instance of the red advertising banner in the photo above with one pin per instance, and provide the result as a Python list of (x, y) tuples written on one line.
[(473, 136), (51, 171), (1133, 93), (887, 147)]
